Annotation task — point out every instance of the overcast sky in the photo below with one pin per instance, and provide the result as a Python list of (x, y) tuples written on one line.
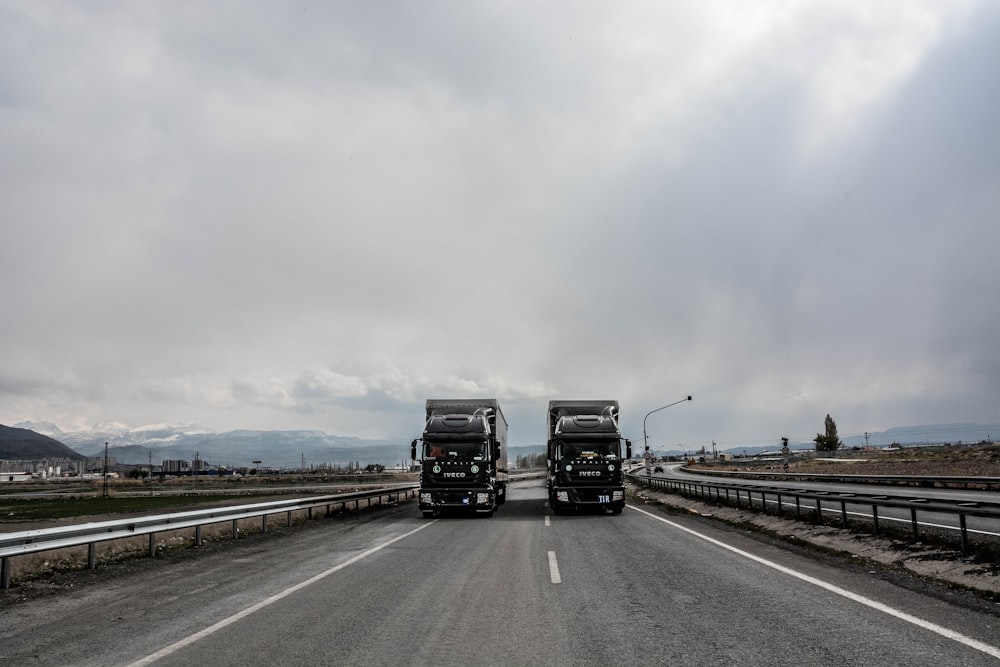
[(316, 215)]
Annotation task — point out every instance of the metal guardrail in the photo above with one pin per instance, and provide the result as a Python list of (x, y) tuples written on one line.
[(90, 534), (737, 493), (943, 481)]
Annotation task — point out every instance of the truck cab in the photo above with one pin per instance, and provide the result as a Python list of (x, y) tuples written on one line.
[(462, 458), (585, 457)]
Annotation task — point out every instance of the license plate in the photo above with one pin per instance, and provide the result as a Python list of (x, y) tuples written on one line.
[(604, 499)]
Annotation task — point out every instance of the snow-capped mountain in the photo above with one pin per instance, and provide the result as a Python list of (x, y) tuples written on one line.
[(45, 428), (232, 448), (117, 434)]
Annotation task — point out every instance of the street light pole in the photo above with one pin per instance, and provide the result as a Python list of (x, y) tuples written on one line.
[(645, 438)]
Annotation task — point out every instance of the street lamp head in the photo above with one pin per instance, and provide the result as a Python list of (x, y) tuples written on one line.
[(646, 437)]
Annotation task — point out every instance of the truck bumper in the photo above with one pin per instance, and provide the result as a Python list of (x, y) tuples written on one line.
[(587, 498), (473, 500)]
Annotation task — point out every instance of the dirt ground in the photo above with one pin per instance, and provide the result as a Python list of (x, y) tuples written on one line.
[(959, 461)]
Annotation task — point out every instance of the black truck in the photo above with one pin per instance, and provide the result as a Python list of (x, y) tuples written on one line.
[(463, 457), (584, 454)]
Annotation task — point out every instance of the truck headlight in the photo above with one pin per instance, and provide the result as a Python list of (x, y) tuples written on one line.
[(482, 498), (562, 496), (617, 495), (425, 497)]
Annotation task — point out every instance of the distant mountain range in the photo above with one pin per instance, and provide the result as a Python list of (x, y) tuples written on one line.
[(273, 449), (23, 443), (293, 449)]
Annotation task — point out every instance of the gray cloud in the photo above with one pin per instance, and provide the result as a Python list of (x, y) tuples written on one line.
[(262, 216)]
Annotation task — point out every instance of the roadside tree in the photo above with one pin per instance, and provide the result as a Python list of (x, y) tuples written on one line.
[(829, 442)]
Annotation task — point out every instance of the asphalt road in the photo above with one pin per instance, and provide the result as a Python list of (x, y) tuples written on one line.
[(950, 494), (521, 588), (979, 525)]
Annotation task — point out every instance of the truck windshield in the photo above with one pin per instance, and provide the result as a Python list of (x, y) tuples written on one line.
[(466, 451), (602, 449)]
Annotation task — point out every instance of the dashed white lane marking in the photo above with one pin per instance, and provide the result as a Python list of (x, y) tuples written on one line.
[(547, 522), (554, 568), (176, 646), (868, 602)]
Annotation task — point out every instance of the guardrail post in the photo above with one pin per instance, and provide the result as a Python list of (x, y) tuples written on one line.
[(197, 536), (289, 519), (875, 518), (913, 522), (819, 512), (92, 556), (779, 503), (843, 513), (798, 508), (236, 529), (4, 573), (965, 533), (263, 524), (152, 545)]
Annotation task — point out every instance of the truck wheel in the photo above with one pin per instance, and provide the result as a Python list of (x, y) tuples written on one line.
[(617, 510), (428, 514)]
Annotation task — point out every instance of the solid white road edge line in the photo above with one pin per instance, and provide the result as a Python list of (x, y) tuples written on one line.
[(927, 625), (554, 568), (176, 646)]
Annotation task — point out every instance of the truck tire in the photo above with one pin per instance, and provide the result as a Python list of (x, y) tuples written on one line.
[(428, 514)]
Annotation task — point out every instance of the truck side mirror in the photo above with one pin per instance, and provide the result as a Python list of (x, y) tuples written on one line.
[(413, 450), (628, 448)]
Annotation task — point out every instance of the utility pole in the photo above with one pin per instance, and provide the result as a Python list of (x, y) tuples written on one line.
[(105, 468)]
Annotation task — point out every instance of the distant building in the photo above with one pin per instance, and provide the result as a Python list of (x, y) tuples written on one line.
[(15, 477), (97, 463), (175, 465)]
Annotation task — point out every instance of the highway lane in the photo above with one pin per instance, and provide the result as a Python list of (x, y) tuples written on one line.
[(674, 471), (976, 525), (520, 588)]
